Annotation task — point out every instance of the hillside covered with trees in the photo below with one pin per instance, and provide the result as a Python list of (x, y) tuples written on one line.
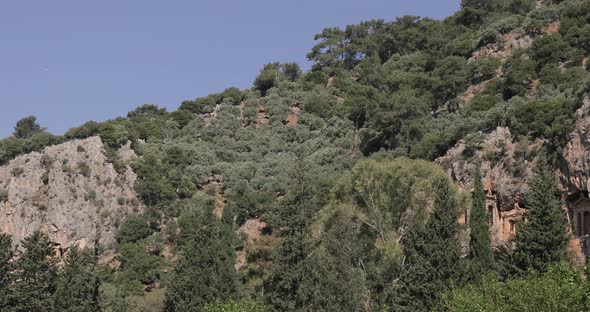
[(321, 190)]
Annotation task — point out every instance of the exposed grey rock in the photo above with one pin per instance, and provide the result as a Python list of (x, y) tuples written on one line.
[(70, 192), (575, 167)]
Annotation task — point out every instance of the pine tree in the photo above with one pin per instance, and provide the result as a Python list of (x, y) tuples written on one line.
[(5, 268), (35, 275), (205, 273), (77, 286), (432, 251), (480, 247), (541, 237)]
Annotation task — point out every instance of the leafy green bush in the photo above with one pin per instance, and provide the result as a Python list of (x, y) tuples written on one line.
[(138, 266), (246, 305), (562, 288), (84, 131), (134, 229), (84, 169), (113, 134), (17, 172)]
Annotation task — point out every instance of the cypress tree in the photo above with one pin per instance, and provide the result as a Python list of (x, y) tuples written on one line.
[(541, 237), (480, 247), (284, 280), (205, 273), (34, 276), (77, 286), (432, 251), (5, 268)]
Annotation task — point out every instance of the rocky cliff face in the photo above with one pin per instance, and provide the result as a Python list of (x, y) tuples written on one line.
[(506, 166), (575, 167), (69, 191)]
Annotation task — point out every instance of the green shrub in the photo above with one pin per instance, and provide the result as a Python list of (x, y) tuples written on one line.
[(3, 196), (90, 196), (17, 172), (246, 305), (45, 177), (562, 288), (134, 229), (84, 169)]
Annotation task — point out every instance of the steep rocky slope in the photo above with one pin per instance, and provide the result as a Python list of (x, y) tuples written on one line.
[(575, 169), (69, 191), (507, 165)]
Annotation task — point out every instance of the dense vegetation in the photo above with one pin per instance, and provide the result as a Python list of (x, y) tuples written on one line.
[(336, 163)]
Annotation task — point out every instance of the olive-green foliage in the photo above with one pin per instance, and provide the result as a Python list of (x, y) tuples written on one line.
[(543, 239), (484, 69), (84, 131), (152, 301), (138, 268), (205, 273), (432, 252), (284, 282), (550, 117), (26, 127), (133, 229), (151, 187), (113, 134), (84, 169), (246, 305), (6, 254), (480, 244), (3, 196), (519, 73), (146, 110), (333, 279), (372, 209), (78, 285), (28, 137), (206, 104), (34, 276), (344, 236), (549, 49), (561, 288), (387, 191), (272, 74)]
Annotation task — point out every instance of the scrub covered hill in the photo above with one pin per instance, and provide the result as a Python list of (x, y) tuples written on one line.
[(316, 191)]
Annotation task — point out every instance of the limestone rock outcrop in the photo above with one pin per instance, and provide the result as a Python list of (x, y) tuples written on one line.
[(502, 50), (506, 166), (575, 167), (69, 191)]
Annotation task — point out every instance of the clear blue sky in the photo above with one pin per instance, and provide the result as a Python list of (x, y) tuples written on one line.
[(68, 62)]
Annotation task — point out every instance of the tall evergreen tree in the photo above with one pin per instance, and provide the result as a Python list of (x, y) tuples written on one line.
[(333, 279), (5, 268), (480, 247), (34, 276), (541, 236), (78, 286), (286, 274), (432, 251), (205, 273)]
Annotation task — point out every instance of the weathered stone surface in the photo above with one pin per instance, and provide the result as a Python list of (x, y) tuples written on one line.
[(506, 166), (68, 191), (575, 167), (511, 41)]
